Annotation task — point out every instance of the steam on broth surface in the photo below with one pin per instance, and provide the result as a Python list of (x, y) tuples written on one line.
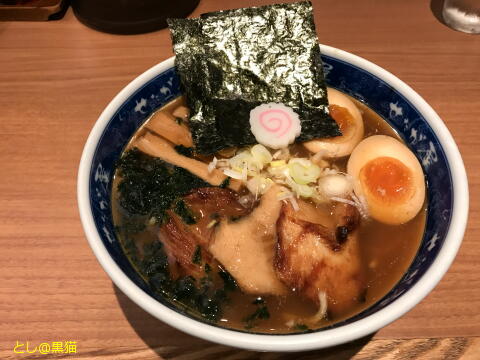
[(194, 276)]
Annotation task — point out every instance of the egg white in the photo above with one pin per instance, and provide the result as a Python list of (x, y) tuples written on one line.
[(385, 211), (340, 146)]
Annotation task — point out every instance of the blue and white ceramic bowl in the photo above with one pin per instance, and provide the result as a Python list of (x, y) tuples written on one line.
[(395, 101)]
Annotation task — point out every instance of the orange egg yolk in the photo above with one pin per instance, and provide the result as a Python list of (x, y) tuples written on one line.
[(342, 117), (387, 179)]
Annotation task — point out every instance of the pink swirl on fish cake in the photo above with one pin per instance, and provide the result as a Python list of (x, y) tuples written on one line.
[(274, 125), (279, 121)]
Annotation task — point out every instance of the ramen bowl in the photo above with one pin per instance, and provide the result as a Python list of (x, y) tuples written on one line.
[(414, 120)]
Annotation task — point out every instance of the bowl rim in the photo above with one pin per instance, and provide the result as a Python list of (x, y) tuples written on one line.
[(294, 342)]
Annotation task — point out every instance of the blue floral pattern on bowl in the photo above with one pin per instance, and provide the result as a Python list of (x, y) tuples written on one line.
[(358, 83)]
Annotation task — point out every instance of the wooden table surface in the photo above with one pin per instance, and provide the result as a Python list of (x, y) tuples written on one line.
[(55, 79)]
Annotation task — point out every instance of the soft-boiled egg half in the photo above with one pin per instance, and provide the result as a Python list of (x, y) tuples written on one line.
[(350, 122), (390, 178)]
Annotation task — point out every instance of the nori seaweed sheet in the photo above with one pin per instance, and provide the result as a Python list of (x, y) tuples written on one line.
[(231, 61)]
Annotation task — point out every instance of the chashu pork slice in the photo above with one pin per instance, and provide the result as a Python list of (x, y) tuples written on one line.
[(246, 247), (316, 259), (181, 240)]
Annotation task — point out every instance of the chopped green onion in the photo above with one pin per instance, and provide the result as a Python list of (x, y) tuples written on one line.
[(261, 154), (278, 163), (303, 171)]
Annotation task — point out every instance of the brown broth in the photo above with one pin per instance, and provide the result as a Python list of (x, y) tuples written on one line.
[(386, 250)]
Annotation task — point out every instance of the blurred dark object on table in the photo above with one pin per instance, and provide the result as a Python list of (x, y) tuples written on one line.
[(130, 16), (32, 10)]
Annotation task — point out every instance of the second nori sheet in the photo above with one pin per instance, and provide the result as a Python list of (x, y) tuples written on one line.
[(231, 61)]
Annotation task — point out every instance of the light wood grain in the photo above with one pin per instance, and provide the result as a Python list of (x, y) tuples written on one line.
[(55, 79)]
